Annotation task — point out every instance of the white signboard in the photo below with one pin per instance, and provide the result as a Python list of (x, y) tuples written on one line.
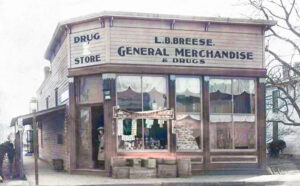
[(87, 48), (185, 48)]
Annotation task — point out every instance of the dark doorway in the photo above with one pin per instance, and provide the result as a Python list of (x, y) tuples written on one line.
[(98, 136)]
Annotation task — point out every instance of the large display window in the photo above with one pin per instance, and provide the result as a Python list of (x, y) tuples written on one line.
[(188, 125), (144, 93), (232, 114)]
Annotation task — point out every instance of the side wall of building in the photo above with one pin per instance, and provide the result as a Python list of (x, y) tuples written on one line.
[(57, 79), (55, 86), (51, 138)]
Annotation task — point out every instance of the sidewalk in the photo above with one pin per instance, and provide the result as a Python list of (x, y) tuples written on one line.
[(47, 176)]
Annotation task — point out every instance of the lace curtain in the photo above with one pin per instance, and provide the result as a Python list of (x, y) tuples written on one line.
[(243, 85), (217, 118), (222, 85), (157, 83), (238, 86), (184, 85), (135, 83), (125, 82)]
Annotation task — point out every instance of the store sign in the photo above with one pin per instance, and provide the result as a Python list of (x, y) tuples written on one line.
[(87, 48), (185, 48)]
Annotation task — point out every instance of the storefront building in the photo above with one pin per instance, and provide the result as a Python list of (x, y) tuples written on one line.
[(141, 85)]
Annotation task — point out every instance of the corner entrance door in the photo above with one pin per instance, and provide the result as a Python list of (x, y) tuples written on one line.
[(98, 136)]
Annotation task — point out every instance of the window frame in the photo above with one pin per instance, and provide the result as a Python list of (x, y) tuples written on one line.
[(232, 114), (201, 111), (143, 131)]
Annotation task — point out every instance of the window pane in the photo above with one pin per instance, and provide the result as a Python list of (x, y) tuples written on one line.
[(188, 111), (130, 134), (90, 89), (188, 132), (244, 96), (154, 93), (220, 96), (221, 135), (84, 138), (155, 134), (188, 95), (244, 135), (129, 93)]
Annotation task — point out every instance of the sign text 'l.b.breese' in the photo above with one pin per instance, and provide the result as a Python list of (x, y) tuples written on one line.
[(184, 55), (85, 41)]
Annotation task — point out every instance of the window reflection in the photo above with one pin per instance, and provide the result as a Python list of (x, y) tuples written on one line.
[(221, 135), (232, 113), (244, 135), (220, 96), (244, 96), (188, 111), (129, 93), (154, 92), (90, 89)]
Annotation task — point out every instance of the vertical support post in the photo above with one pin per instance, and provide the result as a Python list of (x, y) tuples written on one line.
[(72, 125), (261, 123), (172, 94), (275, 131), (110, 146), (35, 142), (205, 111)]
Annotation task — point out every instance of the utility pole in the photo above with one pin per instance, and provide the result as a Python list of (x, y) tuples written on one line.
[(35, 145)]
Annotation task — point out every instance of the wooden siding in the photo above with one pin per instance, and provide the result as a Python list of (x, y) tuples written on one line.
[(145, 38), (49, 129), (57, 79), (84, 49)]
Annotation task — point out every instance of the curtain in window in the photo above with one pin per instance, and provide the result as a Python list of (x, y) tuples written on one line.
[(243, 95), (129, 82), (240, 86), (129, 92), (151, 83), (188, 86), (221, 85), (154, 92)]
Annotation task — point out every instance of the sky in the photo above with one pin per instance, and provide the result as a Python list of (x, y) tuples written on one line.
[(26, 27)]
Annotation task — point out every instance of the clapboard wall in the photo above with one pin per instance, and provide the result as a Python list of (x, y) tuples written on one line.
[(151, 34), (57, 79), (49, 129)]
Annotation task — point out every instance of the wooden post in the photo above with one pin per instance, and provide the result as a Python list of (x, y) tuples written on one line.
[(35, 145), (261, 122), (72, 125), (172, 98), (275, 131), (109, 124), (205, 110)]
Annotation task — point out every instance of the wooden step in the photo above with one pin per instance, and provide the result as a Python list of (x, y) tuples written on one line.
[(96, 172)]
